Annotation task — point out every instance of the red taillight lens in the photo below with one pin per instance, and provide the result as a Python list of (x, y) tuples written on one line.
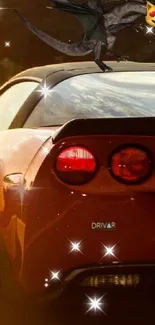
[(130, 165), (75, 165)]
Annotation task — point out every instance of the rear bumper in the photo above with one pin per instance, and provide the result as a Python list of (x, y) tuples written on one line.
[(74, 279), (68, 303)]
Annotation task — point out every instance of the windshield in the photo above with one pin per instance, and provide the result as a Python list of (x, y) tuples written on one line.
[(98, 95)]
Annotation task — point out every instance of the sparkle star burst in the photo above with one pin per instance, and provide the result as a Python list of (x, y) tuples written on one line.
[(109, 251), (149, 30), (75, 246), (45, 150), (95, 304), (7, 44), (54, 275), (44, 91)]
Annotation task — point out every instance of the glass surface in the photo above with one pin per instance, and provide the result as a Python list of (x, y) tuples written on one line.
[(98, 95)]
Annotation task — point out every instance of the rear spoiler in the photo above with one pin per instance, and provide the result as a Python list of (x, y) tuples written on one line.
[(144, 126)]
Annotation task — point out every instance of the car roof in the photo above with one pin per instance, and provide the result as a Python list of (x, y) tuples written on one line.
[(40, 73)]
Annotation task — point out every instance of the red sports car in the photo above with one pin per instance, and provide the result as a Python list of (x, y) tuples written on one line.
[(77, 177)]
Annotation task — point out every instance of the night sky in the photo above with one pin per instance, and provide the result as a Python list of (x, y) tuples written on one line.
[(27, 50)]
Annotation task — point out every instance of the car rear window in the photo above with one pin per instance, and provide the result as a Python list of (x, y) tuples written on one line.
[(98, 95)]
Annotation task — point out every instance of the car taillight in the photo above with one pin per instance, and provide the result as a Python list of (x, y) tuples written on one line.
[(130, 165), (75, 165)]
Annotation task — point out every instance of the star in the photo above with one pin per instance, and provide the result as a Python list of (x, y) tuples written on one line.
[(75, 246), (54, 275), (45, 90), (109, 251), (95, 304), (7, 44), (149, 30), (45, 150)]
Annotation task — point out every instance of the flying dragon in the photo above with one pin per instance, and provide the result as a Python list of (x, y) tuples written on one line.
[(99, 26)]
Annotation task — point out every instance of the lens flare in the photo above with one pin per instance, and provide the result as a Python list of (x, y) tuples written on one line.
[(109, 250), (75, 246), (95, 304)]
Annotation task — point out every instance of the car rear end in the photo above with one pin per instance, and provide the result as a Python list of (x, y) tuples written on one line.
[(91, 202), (89, 215)]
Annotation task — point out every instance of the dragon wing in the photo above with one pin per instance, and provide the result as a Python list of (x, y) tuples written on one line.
[(86, 16), (70, 6), (93, 28), (75, 49)]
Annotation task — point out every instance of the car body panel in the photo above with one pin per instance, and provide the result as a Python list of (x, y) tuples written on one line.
[(44, 71), (17, 149), (24, 141)]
